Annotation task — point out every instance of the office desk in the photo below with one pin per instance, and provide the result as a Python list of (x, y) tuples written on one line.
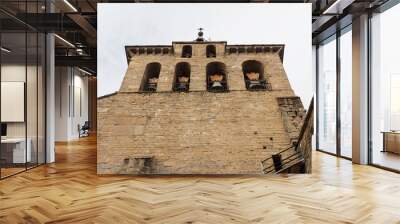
[(391, 141), (13, 150)]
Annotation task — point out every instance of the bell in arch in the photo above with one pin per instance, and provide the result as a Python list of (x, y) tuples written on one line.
[(217, 85), (152, 87), (256, 85), (181, 87)]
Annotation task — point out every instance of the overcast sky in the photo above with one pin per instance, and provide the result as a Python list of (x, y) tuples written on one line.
[(154, 24)]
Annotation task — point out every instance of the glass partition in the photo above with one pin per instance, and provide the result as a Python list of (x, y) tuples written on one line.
[(13, 94), (31, 98), (41, 97), (23, 89)]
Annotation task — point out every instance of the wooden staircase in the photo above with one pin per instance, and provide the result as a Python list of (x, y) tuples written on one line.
[(296, 158)]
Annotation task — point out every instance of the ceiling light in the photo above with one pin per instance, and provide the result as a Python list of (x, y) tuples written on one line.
[(70, 5), (80, 51), (65, 41), (5, 50), (331, 7), (338, 6), (84, 71)]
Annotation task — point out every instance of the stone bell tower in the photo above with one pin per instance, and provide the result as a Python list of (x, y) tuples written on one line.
[(198, 107)]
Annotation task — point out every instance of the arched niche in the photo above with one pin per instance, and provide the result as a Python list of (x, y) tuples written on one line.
[(182, 77), (211, 51), (150, 77), (253, 73), (186, 51), (216, 77)]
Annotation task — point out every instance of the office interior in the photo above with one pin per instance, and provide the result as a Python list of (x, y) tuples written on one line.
[(48, 79), (44, 100)]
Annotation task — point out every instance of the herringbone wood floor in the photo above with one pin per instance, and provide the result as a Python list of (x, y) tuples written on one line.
[(69, 191)]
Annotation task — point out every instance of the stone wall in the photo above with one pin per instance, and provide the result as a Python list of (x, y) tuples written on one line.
[(190, 133), (305, 138), (293, 114)]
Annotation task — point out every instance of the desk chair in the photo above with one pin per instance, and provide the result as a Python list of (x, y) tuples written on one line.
[(84, 130)]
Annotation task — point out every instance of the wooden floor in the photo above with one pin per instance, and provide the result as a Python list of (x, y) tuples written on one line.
[(386, 159), (5, 172), (69, 191)]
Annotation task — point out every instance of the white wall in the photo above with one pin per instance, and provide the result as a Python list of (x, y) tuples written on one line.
[(61, 103), (70, 84), (17, 73), (80, 110), (34, 125), (154, 24)]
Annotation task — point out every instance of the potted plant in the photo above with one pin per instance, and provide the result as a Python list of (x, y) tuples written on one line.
[(216, 77), (253, 76), (153, 80), (183, 79)]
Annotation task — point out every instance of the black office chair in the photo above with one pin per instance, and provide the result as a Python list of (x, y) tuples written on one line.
[(84, 130)]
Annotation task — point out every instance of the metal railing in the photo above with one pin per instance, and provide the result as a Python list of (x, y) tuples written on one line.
[(299, 155), (280, 152), (285, 163)]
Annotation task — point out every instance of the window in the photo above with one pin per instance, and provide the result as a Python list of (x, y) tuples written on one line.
[(182, 77), (216, 77), (346, 75), (187, 51), (250, 50), (165, 51), (253, 72), (385, 89), (327, 96), (150, 77), (211, 52)]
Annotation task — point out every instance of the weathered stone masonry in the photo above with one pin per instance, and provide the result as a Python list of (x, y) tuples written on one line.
[(197, 131)]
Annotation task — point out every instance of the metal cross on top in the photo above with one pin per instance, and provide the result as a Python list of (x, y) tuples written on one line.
[(200, 35)]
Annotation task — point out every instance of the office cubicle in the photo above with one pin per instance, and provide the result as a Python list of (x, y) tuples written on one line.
[(22, 77)]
